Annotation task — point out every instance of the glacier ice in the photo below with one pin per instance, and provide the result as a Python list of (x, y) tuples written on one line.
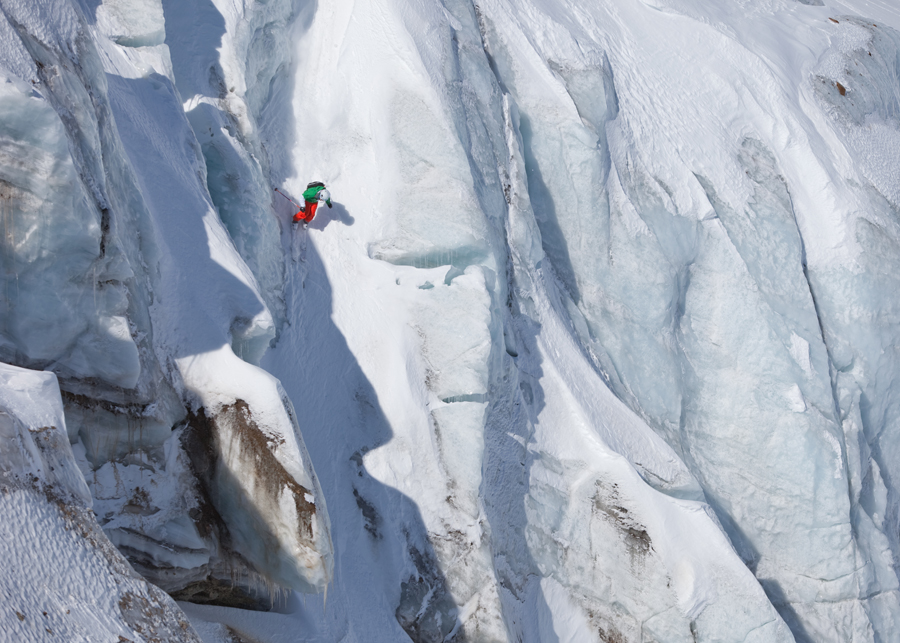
[(718, 323), (102, 248), (64, 300), (597, 344), (668, 228)]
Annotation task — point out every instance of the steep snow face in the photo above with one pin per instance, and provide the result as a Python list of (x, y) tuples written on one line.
[(61, 577), (603, 283)]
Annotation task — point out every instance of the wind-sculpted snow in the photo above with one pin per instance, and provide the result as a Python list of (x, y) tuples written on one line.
[(60, 577)]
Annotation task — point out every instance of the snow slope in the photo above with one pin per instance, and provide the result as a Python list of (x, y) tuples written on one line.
[(659, 198), (598, 342)]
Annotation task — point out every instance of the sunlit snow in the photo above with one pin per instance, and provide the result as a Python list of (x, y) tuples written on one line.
[(598, 342)]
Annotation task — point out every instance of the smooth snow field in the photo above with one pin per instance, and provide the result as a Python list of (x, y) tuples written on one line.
[(599, 342)]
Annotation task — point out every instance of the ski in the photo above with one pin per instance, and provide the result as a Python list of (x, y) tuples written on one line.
[(298, 242)]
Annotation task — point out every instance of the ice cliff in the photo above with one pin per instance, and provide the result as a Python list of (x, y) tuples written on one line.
[(120, 277), (599, 342)]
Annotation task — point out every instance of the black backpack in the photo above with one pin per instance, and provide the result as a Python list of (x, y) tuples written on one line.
[(315, 184)]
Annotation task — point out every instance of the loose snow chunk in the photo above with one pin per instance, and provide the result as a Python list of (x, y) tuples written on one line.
[(795, 399), (800, 353)]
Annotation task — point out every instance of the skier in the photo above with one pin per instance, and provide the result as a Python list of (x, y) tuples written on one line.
[(315, 193)]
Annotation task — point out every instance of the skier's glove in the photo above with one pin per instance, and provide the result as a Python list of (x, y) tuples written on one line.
[(328, 204)]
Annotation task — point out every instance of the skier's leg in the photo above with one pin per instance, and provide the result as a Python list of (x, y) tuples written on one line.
[(311, 211)]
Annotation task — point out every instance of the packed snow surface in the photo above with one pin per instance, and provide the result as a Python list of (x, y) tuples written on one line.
[(599, 341)]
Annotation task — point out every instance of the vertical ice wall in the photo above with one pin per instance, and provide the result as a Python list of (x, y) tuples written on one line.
[(231, 61), (133, 291), (77, 291)]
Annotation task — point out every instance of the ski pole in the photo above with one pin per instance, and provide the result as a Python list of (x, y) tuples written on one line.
[(288, 198)]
